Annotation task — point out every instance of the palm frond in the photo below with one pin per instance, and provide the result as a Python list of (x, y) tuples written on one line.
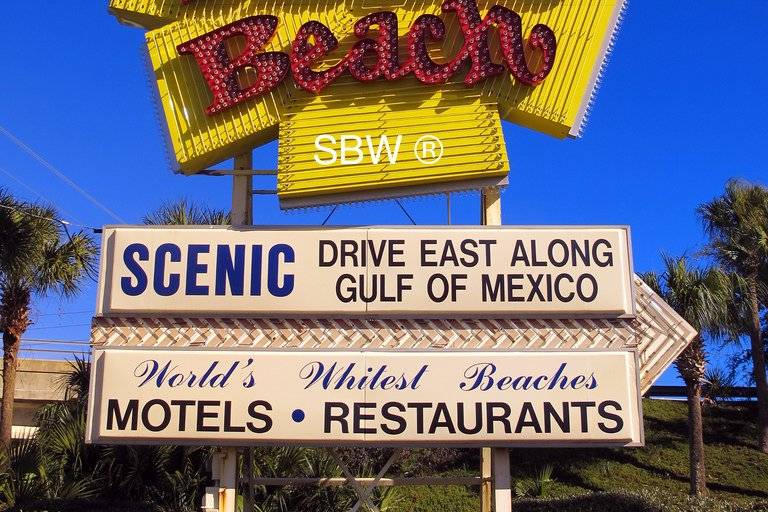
[(700, 295), (64, 265), (737, 225), (185, 213), (37, 254), (653, 280)]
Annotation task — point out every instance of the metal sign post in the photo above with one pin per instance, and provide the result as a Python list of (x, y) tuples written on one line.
[(495, 462), (486, 490), (224, 462), (242, 191), (222, 497)]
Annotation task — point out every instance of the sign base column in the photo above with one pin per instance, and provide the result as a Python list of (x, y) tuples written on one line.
[(223, 496), (502, 481)]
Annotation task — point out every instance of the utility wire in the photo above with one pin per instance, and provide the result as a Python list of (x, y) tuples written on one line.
[(330, 215), (67, 313), (35, 192), (400, 204), (55, 342), (57, 327), (64, 223), (63, 177)]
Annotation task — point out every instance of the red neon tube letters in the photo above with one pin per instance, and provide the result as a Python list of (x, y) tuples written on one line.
[(314, 41)]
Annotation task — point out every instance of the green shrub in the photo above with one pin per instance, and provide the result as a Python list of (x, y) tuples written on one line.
[(438, 499), (63, 505), (640, 501)]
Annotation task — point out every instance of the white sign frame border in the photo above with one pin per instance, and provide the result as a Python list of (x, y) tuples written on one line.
[(107, 254), (92, 438)]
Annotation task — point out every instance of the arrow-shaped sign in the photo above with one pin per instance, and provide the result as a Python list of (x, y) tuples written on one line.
[(658, 334)]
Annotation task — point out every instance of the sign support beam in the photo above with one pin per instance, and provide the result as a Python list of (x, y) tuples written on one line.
[(486, 494), (222, 497), (225, 462), (248, 469), (490, 215), (502, 481), (242, 215), (242, 187)]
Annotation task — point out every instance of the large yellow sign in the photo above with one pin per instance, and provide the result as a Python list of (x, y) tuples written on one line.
[(370, 96)]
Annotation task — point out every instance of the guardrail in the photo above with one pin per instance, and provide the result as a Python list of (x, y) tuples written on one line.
[(735, 392)]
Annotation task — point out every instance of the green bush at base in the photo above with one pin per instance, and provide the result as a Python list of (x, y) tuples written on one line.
[(63, 505), (460, 499), (642, 501), (442, 499)]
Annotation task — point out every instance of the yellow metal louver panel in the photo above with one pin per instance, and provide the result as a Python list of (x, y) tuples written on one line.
[(470, 147), (557, 106)]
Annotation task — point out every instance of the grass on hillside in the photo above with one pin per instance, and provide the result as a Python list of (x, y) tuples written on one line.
[(649, 479), (737, 472)]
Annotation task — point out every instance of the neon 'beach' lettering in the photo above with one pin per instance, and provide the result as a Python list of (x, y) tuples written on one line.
[(314, 41)]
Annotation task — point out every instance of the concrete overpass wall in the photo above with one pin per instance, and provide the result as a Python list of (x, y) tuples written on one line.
[(38, 382)]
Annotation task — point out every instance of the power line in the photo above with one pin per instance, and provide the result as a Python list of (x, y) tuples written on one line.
[(64, 223), (35, 192), (57, 327), (330, 215), (63, 177), (400, 204), (55, 342), (67, 313)]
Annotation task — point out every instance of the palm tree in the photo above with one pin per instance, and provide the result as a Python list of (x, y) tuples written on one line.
[(701, 297), (184, 213), (737, 224), (37, 257)]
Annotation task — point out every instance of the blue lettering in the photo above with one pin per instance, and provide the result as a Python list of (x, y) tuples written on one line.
[(164, 374), (173, 251), (479, 376), (419, 375), (316, 371), (149, 370), (274, 261), (129, 258), (194, 269), (345, 377), (146, 369), (230, 270), (558, 376), (256, 261)]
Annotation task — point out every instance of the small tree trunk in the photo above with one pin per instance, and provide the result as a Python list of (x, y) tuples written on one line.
[(696, 440), (10, 362), (758, 363)]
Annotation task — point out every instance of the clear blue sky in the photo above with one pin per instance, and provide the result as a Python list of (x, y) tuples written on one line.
[(682, 108)]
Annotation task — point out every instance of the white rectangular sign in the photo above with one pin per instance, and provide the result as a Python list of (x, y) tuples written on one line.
[(434, 272), (365, 398)]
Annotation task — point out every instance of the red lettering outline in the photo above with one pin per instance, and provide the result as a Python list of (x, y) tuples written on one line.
[(221, 72)]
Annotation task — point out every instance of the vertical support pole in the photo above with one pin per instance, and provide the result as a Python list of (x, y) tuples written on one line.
[(224, 463), (222, 497), (490, 215), (242, 192), (502, 481), (486, 494), (490, 207), (248, 470)]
